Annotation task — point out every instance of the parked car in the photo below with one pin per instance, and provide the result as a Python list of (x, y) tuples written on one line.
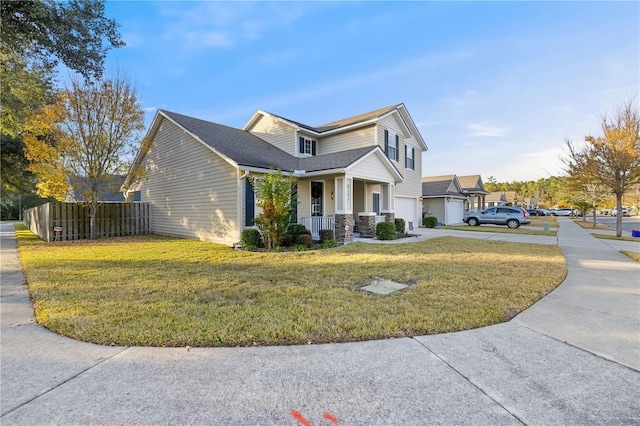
[(513, 217), (537, 212), (625, 212), (565, 211)]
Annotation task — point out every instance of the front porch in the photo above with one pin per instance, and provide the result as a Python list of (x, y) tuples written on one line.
[(365, 226)]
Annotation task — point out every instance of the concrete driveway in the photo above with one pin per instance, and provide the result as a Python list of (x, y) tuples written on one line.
[(573, 358)]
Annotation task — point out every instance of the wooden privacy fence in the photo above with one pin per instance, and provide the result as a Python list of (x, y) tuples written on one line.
[(70, 221)]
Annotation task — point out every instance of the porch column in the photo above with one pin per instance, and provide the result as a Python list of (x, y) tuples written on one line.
[(344, 209), (388, 200)]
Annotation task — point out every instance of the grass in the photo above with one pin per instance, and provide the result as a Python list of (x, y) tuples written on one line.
[(588, 224), (632, 254), (160, 291), (613, 237), (500, 229)]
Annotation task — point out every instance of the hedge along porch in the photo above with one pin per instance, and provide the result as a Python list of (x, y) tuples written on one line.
[(59, 221)]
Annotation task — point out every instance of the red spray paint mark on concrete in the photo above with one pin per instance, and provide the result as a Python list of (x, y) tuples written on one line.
[(300, 418), (304, 422), (330, 418)]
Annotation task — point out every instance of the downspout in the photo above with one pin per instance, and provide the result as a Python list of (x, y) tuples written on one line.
[(241, 177)]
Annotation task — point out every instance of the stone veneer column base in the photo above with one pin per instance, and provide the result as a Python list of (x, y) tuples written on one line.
[(389, 217), (367, 225), (341, 222)]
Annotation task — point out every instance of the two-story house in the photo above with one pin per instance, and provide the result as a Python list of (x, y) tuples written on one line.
[(350, 173)]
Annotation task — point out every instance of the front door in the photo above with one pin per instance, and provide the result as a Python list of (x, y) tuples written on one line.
[(317, 192), (376, 203)]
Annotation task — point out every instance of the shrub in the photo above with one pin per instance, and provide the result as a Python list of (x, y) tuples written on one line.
[(328, 244), (278, 249), (251, 237), (304, 239), (299, 247), (429, 222), (250, 248), (325, 234), (400, 225), (293, 230), (386, 231)]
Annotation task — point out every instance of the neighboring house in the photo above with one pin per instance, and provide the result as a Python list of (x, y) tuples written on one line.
[(510, 198), (443, 198), (473, 187), (108, 190), (496, 199), (352, 172)]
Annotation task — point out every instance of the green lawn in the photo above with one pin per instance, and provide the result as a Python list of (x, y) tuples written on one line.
[(161, 291)]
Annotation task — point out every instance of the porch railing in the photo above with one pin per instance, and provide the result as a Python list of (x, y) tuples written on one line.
[(317, 223), (380, 219)]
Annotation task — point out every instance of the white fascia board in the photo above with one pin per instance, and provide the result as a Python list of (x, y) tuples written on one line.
[(261, 170), (347, 128), (445, 196), (378, 151), (412, 125), (256, 115)]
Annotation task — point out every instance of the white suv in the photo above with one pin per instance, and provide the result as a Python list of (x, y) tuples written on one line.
[(565, 211), (625, 212)]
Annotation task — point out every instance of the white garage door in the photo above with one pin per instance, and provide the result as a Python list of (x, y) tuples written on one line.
[(407, 209), (454, 211)]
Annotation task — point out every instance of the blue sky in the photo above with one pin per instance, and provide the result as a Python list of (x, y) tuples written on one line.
[(494, 87)]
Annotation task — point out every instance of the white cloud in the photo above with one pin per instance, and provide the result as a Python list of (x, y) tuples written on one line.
[(483, 130)]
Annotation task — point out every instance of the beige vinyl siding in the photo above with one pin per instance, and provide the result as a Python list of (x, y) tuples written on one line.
[(358, 138), (412, 185), (434, 207), (304, 196), (359, 189), (276, 133), (192, 191), (371, 168)]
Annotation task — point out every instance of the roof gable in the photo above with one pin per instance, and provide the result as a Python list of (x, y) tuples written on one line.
[(349, 123), (441, 185), (472, 183)]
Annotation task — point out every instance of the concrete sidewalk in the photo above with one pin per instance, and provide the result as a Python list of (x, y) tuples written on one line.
[(521, 372)]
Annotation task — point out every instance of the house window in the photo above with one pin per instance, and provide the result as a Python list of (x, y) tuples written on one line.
[(307, 146), (391, 148), (409, 158)]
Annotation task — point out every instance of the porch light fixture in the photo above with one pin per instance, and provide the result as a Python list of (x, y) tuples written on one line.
[(332, 195)]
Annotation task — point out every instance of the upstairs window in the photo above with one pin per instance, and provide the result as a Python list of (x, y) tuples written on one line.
[(409, 157), (392, 149), (307, 146)]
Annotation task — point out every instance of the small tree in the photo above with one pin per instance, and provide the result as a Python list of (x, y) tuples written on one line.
[(612, 159), (273, 192), (78, 145)]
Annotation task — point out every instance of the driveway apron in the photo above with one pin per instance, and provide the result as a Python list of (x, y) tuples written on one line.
[(520, 372)]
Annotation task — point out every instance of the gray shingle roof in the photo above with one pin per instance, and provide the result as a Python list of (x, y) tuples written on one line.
[(249, 150), (437, 185), (356, 119), (242, 147)]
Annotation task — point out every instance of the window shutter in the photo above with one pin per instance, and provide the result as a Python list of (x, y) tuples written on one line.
[(313, 147), (413, 158), (301, 145), (250, 207), (397, 148), (386, 142), (406, 157)]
